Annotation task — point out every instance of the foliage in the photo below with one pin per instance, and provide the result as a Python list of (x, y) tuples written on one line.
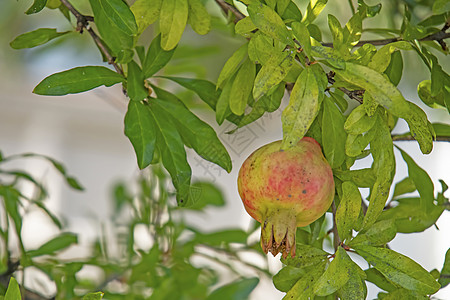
[(344, 94)]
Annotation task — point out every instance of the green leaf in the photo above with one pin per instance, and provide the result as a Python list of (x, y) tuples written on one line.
[(140, 130), (403, 187), (424, 92), (204, 193), (305, 256), (314, 8), (117, 40), (271, 74), (355, 144), (378, 234), (381, 148), (37, 6), (302, 35), (242, 87), (336, 275), (198, 17), (35, 38), (223, 103), (285, 279), (270, 23), (355, 288), (291, 13), (173, 19), (56, 244), (120, 15), (195, 133), (410, 217), (441, 6), (245, 27), (303, 107), (206, 90), (333, 134), (146, 12), (94, 296), (441, 129), (12, 201), (336, 31), (404, 294), (135, 82), (399, 269), (358, 121), (361, 177), (13, 291), (303, 289), (156, 58), (374, 276), (77, 80), (395, 69), (386, 94), (348, 210), (444, 278), (422, 182), (231, 65), (173, 154), (382, 58), (238, 290)]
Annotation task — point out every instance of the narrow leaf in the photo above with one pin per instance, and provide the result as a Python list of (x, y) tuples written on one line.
[(269, 22), (195, 133), (301, 33), (145, 12), (303, 107), (173, 18), (156, 58), (335, 276), (120, 15), (173, 154), (348, 211), (13, 291), (271, 74), (303, 289), (58, 243), (242, 87), (77, 80), (93, 296), (306, 256), (285, 279), (379, 234), (35, 38), (37, 6), (422, 182), (232, 64), (314, 8), (333, 134), (140, 130), (135, 82), (198, 17), (399, 269), (444, 278), (381, 148)]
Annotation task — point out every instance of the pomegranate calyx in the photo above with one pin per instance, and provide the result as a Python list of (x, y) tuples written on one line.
[(278, 233)]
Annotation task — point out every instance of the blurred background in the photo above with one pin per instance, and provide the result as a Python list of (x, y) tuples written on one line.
[(85, 131)]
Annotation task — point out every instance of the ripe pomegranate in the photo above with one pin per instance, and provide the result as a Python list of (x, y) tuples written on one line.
[(285, 189)]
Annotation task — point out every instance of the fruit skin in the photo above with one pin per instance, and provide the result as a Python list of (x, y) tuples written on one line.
[(285, 189)]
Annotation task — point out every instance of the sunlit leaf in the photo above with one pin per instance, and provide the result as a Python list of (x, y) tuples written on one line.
[(378, 234), (314, 8), (303, 289), (306, 255), (232, 65), (269, 22), (172, 21), (335, 276), (242, 87), (146, 12), (93, 296), (400, 269), (13, 291), (348, 210)]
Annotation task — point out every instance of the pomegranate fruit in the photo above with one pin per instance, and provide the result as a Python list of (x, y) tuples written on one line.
[(285, 189)]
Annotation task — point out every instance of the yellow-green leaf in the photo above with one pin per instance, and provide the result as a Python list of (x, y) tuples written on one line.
[(199, 18), (172, 21), (146, 12)]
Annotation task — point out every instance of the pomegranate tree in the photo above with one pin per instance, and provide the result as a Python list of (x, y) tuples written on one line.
[(285, 189)]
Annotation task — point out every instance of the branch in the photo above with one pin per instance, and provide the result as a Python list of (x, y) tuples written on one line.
[(403, 138), (355, 95), (226, 8), (83, 23)]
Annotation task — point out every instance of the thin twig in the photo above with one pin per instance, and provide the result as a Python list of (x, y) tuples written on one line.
[(226, 8), (83, 23)]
